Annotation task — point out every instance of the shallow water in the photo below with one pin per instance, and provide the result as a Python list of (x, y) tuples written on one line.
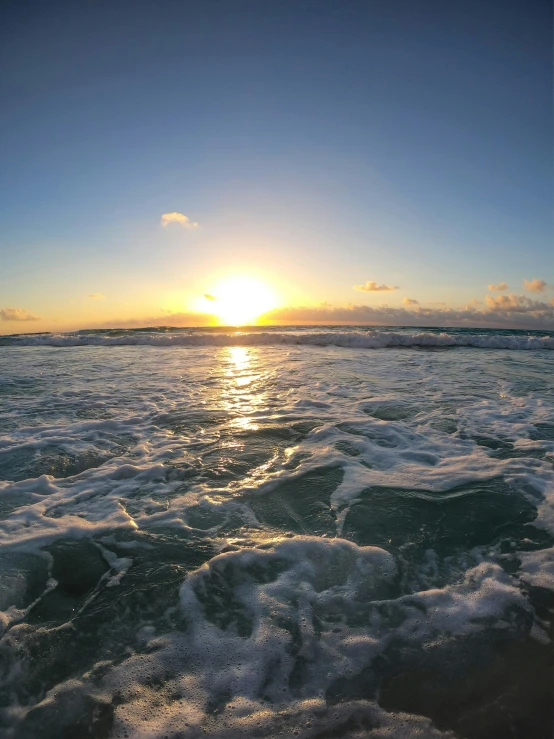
[(240, 537)]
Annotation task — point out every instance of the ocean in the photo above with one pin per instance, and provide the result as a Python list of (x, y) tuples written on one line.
[(310, 532)]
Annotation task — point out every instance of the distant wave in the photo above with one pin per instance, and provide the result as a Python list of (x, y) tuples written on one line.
[(348, 339)]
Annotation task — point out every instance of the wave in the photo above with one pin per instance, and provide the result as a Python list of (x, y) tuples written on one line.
[(347, 339)]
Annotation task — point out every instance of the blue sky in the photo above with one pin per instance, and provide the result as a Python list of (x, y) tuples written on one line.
[(318, 145)]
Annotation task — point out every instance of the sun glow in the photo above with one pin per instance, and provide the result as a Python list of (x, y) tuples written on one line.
[(239, 300)]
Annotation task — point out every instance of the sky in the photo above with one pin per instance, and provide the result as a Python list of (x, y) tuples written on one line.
[(313, 161)]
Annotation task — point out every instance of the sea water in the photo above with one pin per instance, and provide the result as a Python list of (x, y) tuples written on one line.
[(331, 532)]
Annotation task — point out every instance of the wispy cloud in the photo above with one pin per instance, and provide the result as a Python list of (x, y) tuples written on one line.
[(535, 286), (98, 296), (410, 301), (179, 218), (209, 297), (501, 286), (17, 314), (373, 287)]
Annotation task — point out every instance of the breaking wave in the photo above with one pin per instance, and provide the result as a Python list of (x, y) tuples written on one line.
[(348, 338)]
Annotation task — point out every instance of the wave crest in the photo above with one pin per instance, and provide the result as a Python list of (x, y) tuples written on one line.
[(373, 339)]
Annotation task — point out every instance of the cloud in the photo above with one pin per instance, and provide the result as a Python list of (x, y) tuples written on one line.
[(17, 314), (209, 297), (504, 302), (510, 311), (515, 303), (179, 218), (500, 311), (499, 287), (535, 286), (99, 296), (373, 287)]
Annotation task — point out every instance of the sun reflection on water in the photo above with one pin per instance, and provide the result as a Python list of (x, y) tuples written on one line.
[(242, 393), (240, 366)]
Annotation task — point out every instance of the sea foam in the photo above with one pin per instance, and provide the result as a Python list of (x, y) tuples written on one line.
[(374, 339), (237, 541)]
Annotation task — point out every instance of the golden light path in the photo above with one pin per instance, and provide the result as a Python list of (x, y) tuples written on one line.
[(238, 300)]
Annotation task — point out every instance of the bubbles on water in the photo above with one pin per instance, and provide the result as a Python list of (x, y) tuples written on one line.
[(441, 463)]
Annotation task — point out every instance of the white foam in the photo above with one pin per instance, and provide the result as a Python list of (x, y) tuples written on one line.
[(372, 339), (183, 414), (537, 568), (257, 616), (301, 719)]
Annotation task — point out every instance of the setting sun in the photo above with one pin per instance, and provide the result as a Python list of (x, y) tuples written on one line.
[(239, 300)]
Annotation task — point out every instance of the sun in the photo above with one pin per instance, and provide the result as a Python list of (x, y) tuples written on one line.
[(239, 300)]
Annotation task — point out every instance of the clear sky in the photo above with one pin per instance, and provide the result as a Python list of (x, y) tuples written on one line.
[(311, 146)]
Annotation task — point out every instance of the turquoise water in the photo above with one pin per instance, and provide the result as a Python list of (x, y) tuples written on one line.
[(313, 532)]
